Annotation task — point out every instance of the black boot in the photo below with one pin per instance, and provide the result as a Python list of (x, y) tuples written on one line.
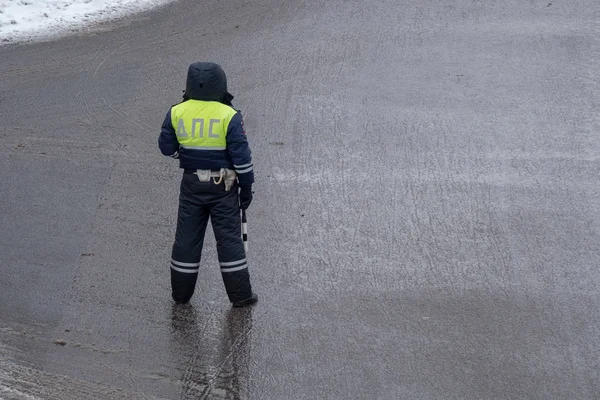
[(249, 301)]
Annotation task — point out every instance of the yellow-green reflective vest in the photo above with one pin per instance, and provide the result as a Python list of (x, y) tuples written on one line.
[(201, 125)]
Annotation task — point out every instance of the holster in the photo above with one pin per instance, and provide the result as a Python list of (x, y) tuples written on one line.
[(230, 177)]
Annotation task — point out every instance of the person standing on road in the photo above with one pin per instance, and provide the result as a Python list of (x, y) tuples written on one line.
[(207, 136)]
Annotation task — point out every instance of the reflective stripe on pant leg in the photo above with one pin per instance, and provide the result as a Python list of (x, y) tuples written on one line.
[(185, 268), (192, 219), (233, 266), (225, 219)]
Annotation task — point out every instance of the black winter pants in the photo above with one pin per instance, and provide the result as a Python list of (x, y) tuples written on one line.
[(197, 202)]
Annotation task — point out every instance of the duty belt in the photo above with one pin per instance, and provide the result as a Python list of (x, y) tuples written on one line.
[(224, 174)]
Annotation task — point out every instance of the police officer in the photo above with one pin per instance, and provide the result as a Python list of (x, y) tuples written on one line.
[(207, 136)]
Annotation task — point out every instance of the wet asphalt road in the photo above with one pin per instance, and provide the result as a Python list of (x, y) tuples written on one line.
[(425, 223)]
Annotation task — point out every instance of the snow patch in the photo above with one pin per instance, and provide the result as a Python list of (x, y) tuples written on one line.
[(13, 394), (27, 20)]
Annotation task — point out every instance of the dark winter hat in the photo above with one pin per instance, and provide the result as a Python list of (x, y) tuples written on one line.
[(206, 81)]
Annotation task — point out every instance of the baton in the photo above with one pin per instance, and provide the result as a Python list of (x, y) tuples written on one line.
[(244, 230)]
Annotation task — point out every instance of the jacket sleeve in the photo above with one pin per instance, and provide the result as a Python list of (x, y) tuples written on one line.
[(239, 151), (167, 141)]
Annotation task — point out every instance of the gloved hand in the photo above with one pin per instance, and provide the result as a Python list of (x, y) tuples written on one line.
[(245, 197)]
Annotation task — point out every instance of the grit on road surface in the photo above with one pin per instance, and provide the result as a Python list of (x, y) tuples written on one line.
[(425, 223)]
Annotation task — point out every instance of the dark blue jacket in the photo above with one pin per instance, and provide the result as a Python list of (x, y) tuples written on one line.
[(236, 156)]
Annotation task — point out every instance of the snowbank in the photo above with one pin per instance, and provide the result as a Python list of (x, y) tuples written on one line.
[(26, 20)]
